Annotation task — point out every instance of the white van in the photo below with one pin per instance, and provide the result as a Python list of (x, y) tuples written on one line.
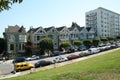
[(7, 68)]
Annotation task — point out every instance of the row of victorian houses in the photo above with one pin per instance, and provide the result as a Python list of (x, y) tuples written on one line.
[(16, 36)]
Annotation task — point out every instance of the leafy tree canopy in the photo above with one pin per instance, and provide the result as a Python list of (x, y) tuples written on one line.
[(6, 4), (104, 39), (118, 37), (96, 41), (77, 42), (65, 44), (110, 38), (87, 43), (46, 44), (2, 45)]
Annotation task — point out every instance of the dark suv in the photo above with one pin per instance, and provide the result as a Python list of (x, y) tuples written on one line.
[(19, 59)]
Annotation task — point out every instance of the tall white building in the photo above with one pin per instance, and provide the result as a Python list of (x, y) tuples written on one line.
[(106, 23)]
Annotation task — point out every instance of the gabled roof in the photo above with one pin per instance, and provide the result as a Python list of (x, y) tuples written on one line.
[(88, 28), (22, 29), (60, 28), (47, 29), (15, 29), (74, 25), (81, 28), (33, 29)]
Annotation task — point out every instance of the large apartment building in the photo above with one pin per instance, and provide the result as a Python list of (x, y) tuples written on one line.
[(105, 23)]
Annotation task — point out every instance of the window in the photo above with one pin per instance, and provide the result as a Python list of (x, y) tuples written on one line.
[(22, 38), (53, 30), (40, 31), (101, 21), (11, 46), (21, 46), (38, 38), (55, 43), (11, 38), (101, 25)]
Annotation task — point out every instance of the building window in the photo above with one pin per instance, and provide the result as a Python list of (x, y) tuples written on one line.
[(53, 30), (55, 44), (22, 38), (40, 31), (101, 21), (11, 38), (38, 38), (21, 46), (11, 46)]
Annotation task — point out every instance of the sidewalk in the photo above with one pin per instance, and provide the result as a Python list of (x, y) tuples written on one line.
[(9, 75)]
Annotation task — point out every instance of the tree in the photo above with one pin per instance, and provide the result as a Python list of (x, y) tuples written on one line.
[(118, 37), (65, 44), (2, 45), (77, 43), (6, 4), (104, 39), (96, 42), (28, 48), (87, 43), (110, 38), (46, 44)]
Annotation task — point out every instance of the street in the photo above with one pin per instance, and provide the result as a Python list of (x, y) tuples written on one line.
[(53, 65)]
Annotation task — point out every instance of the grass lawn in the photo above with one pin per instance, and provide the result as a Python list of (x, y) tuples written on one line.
[(103, 67)]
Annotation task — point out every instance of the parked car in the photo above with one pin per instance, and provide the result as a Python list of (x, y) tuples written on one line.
[(23, 66), (84, 53), (70, 49), (19, 59), (82, 48), (93, 50), (42, 63), (34, 57), (72, 56), (55, 53), (59, 59)]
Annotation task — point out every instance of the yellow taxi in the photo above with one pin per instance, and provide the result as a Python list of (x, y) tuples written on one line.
[(23, 66)]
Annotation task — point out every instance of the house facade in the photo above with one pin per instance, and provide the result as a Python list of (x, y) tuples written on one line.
[(74, 32), (15, 38), (83, 33), (64, 34), (53, 34), (91, 33), (36, 34)]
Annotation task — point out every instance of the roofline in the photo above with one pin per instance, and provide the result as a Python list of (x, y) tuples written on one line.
[(108, 10)]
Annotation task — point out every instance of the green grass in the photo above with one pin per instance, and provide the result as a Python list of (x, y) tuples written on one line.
[(103, 67)]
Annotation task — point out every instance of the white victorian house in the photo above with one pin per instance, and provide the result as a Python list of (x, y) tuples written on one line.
[(74, 32), (91, 33), (36, 34), (64, 34), (83, 33), (53, 34)]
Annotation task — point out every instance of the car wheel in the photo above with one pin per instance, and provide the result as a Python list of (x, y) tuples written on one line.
[(19, 70)]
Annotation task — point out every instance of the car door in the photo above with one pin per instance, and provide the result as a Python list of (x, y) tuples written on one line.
[(26, 66)]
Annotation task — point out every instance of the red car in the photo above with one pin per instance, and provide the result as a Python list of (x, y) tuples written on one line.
[(70, 57)]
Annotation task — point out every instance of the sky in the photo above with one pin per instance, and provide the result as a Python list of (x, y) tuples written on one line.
[(47, 13)]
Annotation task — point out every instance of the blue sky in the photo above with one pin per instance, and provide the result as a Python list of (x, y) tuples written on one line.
[(48, 13)]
